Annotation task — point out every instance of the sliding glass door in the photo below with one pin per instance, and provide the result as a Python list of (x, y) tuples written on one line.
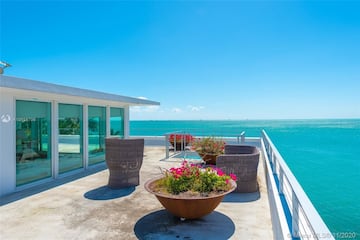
[(117, 122), (33, 141), (96, 133), (70, 137)]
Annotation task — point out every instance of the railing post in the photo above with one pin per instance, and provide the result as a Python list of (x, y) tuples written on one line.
[(182, 141), (242, 135), (281, 181), (175, 142), (295, 216), (275, 163), (167, 145)]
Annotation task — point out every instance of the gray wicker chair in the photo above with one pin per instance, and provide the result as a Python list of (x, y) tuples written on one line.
[(241, 160), (124, 158)]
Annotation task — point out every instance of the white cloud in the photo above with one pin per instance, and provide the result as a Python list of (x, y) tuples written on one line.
[(176, 110), (144, 108), (167, 112), (152, 108), (195, 108)]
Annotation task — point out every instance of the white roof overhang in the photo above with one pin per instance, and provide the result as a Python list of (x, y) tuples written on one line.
[(55, 91)]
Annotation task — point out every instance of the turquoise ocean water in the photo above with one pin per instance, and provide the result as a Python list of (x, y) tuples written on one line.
[(324, 155)]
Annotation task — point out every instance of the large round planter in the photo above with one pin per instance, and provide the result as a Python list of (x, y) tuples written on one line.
[(209, 159), (188, 208)]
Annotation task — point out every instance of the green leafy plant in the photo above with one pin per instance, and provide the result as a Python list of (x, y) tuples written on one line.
[(192, 178), (208, 145)]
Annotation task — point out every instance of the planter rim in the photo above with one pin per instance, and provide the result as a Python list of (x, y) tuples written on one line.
[(208, 154), (172, 196)]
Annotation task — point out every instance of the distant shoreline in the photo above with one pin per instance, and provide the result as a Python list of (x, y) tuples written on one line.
[(250, 119)]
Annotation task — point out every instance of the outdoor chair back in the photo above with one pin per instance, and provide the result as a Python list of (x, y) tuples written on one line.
[(243, 161), (124, 158)]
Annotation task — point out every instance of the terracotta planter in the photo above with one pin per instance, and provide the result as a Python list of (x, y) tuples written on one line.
[(188, 208), (210, 159)]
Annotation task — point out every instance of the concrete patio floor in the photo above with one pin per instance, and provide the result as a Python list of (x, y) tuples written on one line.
[(85, 208)]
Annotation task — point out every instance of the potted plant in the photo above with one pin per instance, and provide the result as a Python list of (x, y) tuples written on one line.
[(190, 191), (208, 148), (179, 141)]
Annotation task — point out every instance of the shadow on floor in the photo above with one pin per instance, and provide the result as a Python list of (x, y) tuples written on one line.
[(163, 225), (242, 197), (106, 193), (50, 184)]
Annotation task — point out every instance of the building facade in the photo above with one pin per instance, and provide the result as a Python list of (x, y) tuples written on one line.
[(48, 131)]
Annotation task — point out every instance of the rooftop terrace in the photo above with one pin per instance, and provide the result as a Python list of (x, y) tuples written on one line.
[(84, 208)]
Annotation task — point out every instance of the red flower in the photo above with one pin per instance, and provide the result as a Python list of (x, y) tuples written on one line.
[(187, 138)]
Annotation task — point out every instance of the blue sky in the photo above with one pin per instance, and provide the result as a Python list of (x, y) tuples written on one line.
[(200, 60)]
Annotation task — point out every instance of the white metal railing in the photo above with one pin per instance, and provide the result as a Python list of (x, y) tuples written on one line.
[(299, 218), (167, 141), (240, 139)]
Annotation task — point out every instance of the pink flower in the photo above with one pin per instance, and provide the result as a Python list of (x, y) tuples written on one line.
[(220, 172)]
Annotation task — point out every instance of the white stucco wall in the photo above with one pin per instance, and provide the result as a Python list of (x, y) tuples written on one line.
[(7, 143), (12, 89), (8, 99)]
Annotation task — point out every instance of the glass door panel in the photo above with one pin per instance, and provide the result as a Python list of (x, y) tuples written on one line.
[(117, 122), (33, 141), (97, 133), (70, 137)]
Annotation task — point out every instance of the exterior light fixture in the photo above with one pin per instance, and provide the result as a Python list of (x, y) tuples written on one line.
[(3, 66)]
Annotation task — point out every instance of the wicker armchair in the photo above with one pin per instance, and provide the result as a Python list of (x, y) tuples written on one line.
[(243, 161), (124, 158)]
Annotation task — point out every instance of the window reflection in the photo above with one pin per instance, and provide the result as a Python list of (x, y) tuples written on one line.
[(117, 122), (70, 137), (97, 133), (33, 136)]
